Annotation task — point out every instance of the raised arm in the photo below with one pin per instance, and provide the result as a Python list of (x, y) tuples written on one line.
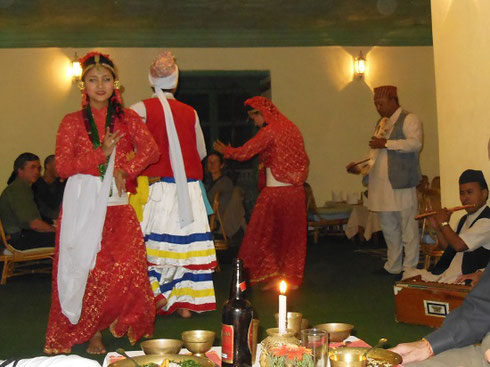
[(412, 129), (68, 161), (251, 148)]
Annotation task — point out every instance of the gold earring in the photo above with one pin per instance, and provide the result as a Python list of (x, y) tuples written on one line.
[(117, 84), (81, 85)]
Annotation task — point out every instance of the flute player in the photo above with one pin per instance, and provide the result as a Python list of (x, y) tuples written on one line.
[(468, 248)]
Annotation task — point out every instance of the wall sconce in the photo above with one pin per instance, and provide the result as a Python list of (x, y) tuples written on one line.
[(76, 69), (359, 66)]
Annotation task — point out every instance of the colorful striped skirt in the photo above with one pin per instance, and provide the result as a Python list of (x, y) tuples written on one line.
[(182, 260)]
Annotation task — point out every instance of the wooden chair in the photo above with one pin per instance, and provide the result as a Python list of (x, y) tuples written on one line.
[(429, 244), (19, 262), (316, 223)]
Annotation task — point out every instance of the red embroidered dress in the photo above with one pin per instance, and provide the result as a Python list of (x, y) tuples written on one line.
[(118, 294), (275, 241)]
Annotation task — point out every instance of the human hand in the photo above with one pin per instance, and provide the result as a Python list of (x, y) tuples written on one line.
[(474, 277), (353, 168), (120, 179), (219, 146), (377, 143), (442, 215), (110, 141), (413, 352)]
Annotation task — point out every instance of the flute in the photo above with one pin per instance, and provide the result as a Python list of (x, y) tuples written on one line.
[(456, 208), (360, 162)]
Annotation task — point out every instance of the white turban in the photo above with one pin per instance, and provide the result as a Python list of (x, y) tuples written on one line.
[(164, 72)]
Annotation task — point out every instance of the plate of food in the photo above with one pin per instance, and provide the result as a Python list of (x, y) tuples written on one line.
[(166, 360)]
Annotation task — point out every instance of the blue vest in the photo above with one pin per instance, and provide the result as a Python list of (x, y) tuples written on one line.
[(403, 168)]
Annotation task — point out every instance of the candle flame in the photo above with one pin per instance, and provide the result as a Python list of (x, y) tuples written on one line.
[(283, 287)]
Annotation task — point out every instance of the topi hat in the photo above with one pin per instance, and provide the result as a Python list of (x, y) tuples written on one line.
[(164, 72), (388, 91), (472, 175)]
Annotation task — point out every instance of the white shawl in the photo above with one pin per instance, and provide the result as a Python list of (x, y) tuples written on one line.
[(84, 209)]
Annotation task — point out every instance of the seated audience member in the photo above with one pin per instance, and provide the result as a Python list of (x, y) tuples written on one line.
[(48, 191), (452, 344), (230, 198), (468, 249), (219, 183), (18, 211)]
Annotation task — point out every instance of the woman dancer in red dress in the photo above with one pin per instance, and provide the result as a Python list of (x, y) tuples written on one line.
[(113, 291), (274, 245)]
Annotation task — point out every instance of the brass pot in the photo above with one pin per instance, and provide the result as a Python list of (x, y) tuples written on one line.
[(337, 332), (162, 346)]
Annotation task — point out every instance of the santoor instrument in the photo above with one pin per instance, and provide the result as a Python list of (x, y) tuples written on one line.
[(455, 209)]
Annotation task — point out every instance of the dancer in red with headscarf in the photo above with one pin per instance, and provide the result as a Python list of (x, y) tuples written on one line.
[(274, 245), (100, 272)]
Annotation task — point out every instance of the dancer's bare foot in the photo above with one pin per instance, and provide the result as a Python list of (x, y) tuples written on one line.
[(184, 313), (161, 303), (95, 345)]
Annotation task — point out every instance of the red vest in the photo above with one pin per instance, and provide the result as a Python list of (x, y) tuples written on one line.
[(185, 119)]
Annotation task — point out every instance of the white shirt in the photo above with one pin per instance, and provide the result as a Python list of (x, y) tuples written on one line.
[(382, 196), (140, 109), (479, 234), (475, 237)]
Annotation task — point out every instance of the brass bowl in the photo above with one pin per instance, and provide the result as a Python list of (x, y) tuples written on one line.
[(337, 332), (353, 357), (198, 342), (162, 346)]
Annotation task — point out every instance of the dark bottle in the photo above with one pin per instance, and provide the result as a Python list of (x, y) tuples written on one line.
[(236, 329)]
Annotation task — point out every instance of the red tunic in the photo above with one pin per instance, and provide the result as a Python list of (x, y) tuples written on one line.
[(275, 241), (185, 124), (118, 293)]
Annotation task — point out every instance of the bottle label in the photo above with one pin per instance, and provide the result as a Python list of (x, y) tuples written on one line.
[(243, 286), (227, 343), (250, 336)]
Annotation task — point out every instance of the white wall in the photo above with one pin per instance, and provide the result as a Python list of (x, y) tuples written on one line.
[(461, 51), (313, 86)]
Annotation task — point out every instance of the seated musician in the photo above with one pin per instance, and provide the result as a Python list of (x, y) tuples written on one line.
[(468, 249), (18, 211)]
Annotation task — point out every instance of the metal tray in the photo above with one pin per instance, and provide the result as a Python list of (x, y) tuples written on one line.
[(154, 358)]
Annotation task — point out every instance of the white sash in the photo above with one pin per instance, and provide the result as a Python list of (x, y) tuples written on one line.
[(84, 209), (177, 163), (271, 181)]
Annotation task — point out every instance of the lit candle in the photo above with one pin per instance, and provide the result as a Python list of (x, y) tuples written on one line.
[(282, 307)]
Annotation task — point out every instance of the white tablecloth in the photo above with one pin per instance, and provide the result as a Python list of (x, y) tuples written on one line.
[(216, 349), (360, 216)]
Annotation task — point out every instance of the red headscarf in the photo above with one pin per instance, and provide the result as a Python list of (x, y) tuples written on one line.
[(287, 157)]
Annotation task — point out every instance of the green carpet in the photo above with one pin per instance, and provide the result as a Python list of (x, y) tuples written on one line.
[(338, 287)]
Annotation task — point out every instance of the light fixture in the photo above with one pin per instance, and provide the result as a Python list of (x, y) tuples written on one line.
[(359, 66), (76, 69)]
